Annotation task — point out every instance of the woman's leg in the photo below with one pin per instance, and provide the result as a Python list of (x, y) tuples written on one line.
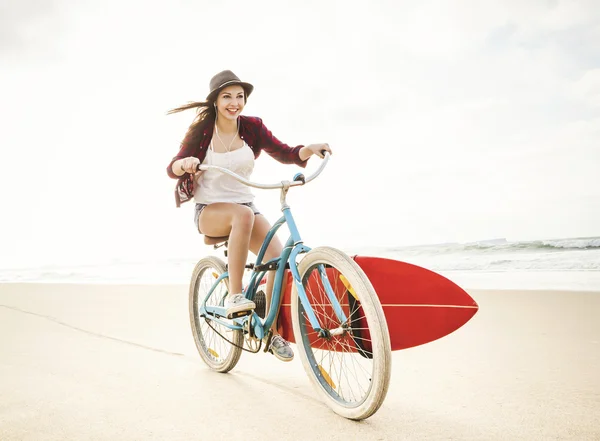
[(235, 221), (259, 232), (278, 347)]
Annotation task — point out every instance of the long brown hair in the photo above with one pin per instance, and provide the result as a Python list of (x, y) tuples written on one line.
[(205, 115)]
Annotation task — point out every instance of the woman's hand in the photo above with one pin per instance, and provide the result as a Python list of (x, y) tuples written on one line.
[(314, 149), (186, 165)]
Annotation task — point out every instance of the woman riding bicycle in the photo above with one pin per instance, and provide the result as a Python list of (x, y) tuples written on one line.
[(220, 135)]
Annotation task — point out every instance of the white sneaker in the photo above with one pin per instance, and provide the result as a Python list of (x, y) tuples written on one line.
[(237, 303)]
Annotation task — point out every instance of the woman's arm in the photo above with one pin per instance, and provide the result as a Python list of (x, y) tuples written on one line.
[(179, 167), (313, 149), (282, 152), (185, 161)]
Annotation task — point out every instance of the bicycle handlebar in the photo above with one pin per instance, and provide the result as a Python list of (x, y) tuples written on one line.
[(298, 179)]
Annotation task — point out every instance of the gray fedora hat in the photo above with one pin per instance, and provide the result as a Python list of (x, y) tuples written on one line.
[(224, 79)]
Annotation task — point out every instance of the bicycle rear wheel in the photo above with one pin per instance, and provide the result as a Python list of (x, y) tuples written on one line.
[(350, 365), (215, 351)]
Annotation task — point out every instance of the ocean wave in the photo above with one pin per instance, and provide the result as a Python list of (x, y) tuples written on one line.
[(584, 243), (577, 254), (507, 265), (497, 255), (503, 245), (581, 243)]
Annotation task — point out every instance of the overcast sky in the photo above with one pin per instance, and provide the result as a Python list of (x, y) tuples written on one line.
[(450, 121)]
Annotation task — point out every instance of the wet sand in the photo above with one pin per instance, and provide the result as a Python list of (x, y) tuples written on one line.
[(118, 362)]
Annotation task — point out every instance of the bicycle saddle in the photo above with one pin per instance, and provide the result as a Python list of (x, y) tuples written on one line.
[(209, 240)]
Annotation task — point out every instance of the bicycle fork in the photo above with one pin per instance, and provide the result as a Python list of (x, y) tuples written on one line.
[(312, 318)]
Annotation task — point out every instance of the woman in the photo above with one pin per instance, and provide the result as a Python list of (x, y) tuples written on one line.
[(220, 135)]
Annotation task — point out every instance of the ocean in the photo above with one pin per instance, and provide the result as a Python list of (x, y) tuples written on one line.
[(556, 264)]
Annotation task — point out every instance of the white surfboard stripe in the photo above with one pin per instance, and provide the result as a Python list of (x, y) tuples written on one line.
[(432, 306), (412, 304)]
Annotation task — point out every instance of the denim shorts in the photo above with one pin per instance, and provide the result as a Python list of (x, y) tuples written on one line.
[(200, 207)]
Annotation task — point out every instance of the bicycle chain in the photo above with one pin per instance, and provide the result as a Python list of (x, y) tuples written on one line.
[(232, 343)]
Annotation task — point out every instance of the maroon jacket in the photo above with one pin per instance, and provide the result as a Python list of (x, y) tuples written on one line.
[(253, 132)]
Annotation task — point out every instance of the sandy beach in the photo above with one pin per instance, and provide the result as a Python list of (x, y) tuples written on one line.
[(118, 362)]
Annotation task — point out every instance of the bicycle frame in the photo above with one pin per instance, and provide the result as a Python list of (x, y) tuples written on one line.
[(292, 248)]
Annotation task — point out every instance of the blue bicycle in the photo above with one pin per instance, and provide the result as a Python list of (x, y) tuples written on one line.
[(338, 323)]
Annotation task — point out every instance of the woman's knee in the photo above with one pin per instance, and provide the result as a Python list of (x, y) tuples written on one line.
[(218, 219), (243, 218)]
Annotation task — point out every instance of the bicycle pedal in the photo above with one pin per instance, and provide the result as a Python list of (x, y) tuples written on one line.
[(239, 314)]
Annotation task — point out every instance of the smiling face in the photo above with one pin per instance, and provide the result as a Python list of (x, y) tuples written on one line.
[(231, 101)]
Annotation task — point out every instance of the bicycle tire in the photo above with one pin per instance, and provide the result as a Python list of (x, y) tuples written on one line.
[(216, 352), (315, 352)]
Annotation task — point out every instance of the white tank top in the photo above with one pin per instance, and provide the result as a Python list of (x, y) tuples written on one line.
[(213, 186)]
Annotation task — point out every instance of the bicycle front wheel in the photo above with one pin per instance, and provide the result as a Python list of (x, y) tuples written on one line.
[(349, 362), (219, 346)]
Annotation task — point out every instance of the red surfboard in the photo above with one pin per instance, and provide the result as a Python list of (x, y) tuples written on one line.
[(420, 305)]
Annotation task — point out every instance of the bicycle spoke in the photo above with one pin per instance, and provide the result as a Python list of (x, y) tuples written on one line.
[(349, 372), (217, 344)]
